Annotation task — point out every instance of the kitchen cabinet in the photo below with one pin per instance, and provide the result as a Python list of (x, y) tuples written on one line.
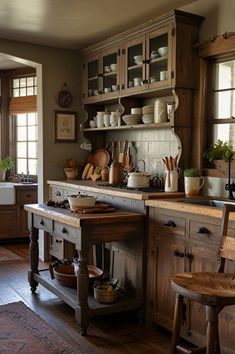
[(101, 74), (181, 242), (14, 222)]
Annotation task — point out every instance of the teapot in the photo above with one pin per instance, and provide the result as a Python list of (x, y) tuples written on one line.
[(115, 173)]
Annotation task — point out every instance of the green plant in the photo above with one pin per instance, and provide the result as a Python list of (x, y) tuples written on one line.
[(6, 164), (192, 172), (219, 151)]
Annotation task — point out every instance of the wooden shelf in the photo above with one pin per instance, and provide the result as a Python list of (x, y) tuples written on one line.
[(136, 126), (69, 295)]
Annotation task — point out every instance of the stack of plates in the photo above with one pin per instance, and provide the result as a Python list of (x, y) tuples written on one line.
[(148, 114), (132, 119)]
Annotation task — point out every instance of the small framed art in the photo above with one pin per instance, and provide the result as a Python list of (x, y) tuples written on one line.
[(65, 126)]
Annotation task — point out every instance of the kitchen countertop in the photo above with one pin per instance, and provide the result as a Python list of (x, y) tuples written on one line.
[(91, 186), (175, 204)]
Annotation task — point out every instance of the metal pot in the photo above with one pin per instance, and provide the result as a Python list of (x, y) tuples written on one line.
[(138, 180)]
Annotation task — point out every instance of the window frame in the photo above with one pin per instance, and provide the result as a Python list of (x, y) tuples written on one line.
[(217, 49)]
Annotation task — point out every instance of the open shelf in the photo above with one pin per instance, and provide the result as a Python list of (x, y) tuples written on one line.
[(136, 126), (69, 295)]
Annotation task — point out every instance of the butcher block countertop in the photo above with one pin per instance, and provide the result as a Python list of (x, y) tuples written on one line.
[(91, 186), (174, 204), (77, 220)]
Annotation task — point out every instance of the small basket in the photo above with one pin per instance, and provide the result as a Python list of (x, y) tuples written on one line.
[(105, 294)]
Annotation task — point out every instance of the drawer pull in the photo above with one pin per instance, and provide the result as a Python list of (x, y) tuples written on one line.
[(177, 253), (42, 222), (170, 223), (64, 231), (202, 230), (58, 241), (58, 194)]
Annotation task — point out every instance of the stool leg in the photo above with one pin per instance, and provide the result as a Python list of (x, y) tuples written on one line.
[(212, 333), (177, 322)]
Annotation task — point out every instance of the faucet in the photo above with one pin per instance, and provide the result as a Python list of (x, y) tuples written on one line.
[(230, 186)]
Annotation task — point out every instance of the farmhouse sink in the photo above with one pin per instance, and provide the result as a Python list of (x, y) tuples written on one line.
[(7, 193), (207, 202)]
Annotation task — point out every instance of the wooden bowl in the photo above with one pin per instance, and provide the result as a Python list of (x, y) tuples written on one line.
[(64, 274)]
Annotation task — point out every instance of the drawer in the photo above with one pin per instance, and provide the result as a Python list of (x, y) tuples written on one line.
[(200, 231), (42, 223), (57, 247), (27, 197), (57, 194), (168, 225), (66, 231)]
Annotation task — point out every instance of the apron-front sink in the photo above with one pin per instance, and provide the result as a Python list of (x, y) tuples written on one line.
[(7, 193)]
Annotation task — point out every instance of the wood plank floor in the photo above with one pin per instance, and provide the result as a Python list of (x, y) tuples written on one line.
[(116, 334)]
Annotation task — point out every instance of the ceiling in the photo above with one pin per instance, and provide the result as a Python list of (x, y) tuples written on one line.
[(74, 24)]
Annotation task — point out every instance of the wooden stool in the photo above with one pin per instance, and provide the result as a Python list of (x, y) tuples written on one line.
[(213, 290)]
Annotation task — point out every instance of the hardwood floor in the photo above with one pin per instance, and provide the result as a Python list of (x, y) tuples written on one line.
[(116, 334)]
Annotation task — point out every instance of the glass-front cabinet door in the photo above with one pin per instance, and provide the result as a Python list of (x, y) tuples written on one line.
[(134, 65), (159, 56), (101, 75)]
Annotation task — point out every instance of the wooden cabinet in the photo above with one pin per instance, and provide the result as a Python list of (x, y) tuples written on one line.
[(101, 74), (181, 242), (25, 195), (14, 222)]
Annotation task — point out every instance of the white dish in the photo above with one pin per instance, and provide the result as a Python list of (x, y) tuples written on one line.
[(163, 51), (107, 89), (81, 201), (113, 67)]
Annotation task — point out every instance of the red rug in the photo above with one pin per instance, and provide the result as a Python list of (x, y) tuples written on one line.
[(24, 332)]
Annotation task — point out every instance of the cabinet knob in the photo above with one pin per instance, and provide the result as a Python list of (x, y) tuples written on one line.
[(177, 253), (64, 231), (202, 230), (42, 222), (58, 194), (170, 223), (58, 241)]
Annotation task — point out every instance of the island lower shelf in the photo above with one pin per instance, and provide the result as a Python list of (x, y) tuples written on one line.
[(125, 302)]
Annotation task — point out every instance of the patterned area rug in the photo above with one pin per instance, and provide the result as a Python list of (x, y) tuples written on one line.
[(6, 255), (22, 331)]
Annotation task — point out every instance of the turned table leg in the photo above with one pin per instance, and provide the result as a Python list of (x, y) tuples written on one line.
[(82, 310), (33, 259)]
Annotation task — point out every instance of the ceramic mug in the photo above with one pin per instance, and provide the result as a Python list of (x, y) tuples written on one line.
[(106, 120), (193, 185)]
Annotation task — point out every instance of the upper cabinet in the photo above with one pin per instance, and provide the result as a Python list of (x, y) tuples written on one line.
[(102, 75), (158, 55)]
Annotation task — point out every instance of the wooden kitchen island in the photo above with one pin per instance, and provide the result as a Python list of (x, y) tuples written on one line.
[(83, 231)]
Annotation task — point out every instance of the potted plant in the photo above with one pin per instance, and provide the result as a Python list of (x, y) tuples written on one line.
[(5, 165), (193, 182), (71, 168), (218, 152)]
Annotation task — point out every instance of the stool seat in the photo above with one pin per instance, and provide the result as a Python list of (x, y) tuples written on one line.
[(207, 288)]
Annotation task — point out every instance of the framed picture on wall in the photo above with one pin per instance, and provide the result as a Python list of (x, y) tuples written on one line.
[(65, 126)]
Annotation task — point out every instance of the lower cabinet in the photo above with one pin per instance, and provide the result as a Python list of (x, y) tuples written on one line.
[(14, 219), (181, 242)]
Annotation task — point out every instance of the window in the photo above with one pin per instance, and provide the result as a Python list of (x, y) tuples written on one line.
[(23, 108), (223, 108), (26, 143)]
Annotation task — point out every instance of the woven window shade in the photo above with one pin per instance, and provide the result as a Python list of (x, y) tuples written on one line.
[(23, 104)]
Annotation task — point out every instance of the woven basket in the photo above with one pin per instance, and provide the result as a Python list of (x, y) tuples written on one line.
[(105, 294)]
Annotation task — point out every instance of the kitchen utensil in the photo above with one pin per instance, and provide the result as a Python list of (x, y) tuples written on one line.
[(100, 158), (80, 201), (121, 146), (127, 161), (85, 170), (115, 173), (90, 171), (138, 180)]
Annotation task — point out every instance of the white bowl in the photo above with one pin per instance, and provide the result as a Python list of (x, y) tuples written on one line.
[(163, 51), (113, 67), (81, 201), (136, 110), (114, 87)]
